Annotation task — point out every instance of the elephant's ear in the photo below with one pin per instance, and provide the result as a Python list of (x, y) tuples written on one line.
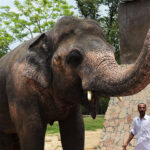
[(38, 61)]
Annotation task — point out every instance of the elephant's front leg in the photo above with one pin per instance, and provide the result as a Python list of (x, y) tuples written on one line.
[(32, 138), (30, 128), (72, 131)]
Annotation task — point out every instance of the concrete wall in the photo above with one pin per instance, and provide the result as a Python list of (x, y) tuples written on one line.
[(134, 22)]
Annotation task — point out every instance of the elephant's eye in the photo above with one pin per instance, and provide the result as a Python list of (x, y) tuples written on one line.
[(74, 58)]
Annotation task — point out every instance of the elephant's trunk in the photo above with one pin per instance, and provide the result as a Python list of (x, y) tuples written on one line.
[(113, 80)]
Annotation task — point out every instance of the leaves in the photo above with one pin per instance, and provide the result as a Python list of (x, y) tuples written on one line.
[(111, 26), (30, 17), (89, 8), (109, 22), (5, 39)]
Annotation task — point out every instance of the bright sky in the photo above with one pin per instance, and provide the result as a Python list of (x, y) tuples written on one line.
[(10, 2), (5, 2), (70, 2)]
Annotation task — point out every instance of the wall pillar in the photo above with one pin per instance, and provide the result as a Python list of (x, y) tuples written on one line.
[(134, 22)]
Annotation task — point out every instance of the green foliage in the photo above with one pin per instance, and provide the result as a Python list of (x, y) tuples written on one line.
[(109, 23), (89, 123), (103, 104), (84, 110), (5, 39), (52, 129), (2, 54), (89, 8), (30, 17), (111, 26)]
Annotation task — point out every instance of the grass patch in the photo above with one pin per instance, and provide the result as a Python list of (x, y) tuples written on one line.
[(53, 129), (89, 124)]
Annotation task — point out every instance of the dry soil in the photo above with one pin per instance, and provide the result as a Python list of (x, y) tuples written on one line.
[(53, 142)]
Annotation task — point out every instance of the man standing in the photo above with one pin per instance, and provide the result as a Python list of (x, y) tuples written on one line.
[(141, 128)]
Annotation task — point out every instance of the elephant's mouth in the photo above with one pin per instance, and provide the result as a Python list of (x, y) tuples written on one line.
[(89, 100)]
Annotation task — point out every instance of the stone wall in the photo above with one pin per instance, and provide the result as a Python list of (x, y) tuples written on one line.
[(118, 120)]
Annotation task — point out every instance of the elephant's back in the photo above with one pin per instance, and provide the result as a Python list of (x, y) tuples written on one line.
[(18, 53), (8, 60), (6, 63)]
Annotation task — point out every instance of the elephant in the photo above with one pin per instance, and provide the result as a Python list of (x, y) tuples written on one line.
[(46, 79)]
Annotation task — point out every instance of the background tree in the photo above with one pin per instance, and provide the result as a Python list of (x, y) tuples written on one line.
[(5, 39), (30, 17), (91, 9), (110, 25)]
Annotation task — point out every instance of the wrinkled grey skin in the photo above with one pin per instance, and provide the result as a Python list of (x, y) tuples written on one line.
[(46, 80)]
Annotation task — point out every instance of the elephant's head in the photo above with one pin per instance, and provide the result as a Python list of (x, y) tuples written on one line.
[(78, 65)]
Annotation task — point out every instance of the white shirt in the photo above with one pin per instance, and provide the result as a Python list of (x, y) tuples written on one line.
[(141, 128)]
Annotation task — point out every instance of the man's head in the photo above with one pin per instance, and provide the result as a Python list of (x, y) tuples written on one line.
[(142, 109)]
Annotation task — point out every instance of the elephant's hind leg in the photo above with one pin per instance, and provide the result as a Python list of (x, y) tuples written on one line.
[(4, 141), (9, 142), (15, 142)]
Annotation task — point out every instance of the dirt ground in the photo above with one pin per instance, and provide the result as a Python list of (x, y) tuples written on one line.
[(52, 142)]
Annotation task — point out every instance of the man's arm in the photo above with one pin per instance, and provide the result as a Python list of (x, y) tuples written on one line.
[(128, 141)]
